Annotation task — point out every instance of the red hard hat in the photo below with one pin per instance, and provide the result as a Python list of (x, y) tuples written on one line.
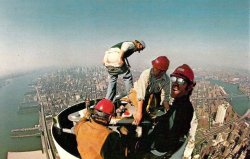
[(184, 71), (105, 106), (161, 63)]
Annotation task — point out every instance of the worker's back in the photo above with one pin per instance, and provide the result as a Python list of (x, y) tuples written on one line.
[(90, 138)]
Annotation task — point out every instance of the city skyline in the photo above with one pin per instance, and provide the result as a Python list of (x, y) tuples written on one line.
[(37, 34)]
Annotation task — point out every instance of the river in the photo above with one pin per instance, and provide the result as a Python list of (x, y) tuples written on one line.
[(10, 97), (240, 104)]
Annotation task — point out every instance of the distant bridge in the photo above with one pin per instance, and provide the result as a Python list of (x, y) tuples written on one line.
[(219, 97)]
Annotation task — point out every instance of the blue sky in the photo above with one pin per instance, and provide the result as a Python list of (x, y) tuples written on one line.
[(39, 33)]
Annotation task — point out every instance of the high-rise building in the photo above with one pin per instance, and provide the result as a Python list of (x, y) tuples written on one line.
[(221, 112)]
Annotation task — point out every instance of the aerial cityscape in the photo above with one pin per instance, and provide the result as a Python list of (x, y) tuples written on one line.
[(221, 131), (54, 69)]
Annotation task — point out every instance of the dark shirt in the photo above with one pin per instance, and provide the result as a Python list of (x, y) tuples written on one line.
[(173, 126), (112, 148), (128, 52)]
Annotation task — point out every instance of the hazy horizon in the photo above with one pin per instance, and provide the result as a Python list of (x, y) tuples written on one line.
[(38, 34)]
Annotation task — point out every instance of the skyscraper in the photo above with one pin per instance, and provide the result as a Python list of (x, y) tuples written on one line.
[(221, 112)]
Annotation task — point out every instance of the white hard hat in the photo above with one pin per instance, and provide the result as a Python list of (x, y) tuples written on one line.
[(143, 43)]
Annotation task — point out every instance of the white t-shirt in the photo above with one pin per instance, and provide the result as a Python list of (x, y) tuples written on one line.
[(112, 56)]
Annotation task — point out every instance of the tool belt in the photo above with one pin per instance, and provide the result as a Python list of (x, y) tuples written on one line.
[(117, 70), (151, 104)]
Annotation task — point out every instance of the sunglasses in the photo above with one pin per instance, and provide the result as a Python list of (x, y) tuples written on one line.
[(179, 81)]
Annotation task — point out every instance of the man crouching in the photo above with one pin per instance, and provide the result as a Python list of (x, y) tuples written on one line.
[(94, 139)]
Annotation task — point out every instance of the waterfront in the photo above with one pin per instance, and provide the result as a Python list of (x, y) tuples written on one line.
[(240, 104), (10, 97)]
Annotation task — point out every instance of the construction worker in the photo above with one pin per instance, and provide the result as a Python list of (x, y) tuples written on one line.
[(152, 88), (94, 139), (115, 60), (171, 130)]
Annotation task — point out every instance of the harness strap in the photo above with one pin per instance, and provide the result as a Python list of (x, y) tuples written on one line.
[(157, 153), (126, 60)]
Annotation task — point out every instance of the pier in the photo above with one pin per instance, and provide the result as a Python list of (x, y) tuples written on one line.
[(27, 135), (28, 109), (26, 132), (37, 127)]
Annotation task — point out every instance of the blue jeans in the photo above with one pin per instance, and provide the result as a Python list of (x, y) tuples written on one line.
[(128, 81)]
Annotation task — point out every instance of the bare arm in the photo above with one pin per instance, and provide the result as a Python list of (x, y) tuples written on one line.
[(138, 115)]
